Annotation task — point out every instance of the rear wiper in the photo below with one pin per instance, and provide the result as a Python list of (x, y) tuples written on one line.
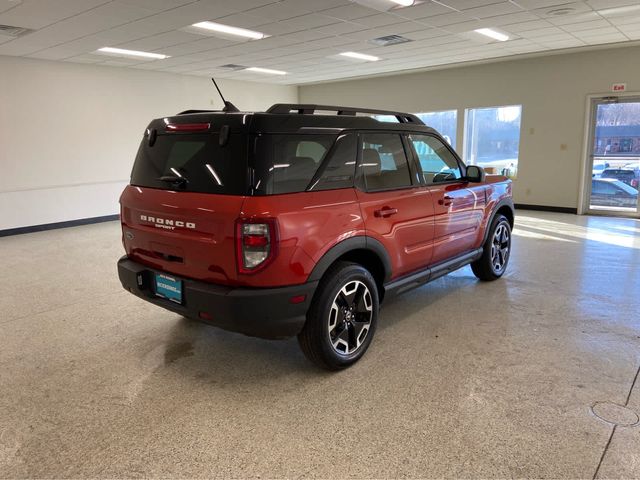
[(179, 181)]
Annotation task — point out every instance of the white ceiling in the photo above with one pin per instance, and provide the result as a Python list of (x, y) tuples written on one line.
[(306, 35)]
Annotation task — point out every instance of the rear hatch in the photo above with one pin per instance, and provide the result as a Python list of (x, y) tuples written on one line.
[(187, 188)]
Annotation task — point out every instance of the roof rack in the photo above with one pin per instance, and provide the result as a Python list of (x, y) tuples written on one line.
[(310, 109)]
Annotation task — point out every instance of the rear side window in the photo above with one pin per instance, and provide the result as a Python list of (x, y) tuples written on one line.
[(287, 163), (339, 168), (384, 161), (199, 160)]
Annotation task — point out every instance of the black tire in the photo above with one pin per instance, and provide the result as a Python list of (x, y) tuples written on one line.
[(485, 268), (338, 331)]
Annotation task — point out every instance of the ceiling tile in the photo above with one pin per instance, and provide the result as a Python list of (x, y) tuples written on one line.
[(423, 10), (38, 13), (306, 35), (606, 4), (282, 10), (349, 12), (447, 19), (493, 10), (523, 27), (342, 28)]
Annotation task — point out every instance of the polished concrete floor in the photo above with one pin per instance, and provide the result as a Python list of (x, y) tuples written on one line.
[(464, 379)]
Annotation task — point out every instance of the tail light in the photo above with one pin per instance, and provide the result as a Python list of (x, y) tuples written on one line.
[(256, 243), (634, 183), (187, 127)]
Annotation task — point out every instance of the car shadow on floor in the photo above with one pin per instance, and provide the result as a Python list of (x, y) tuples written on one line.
[(200, 350)]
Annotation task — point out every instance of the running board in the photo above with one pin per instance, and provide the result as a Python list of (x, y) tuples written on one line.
[(418, 279)]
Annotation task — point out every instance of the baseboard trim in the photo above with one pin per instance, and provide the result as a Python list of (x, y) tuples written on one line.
[(546, 208), (56, 225)]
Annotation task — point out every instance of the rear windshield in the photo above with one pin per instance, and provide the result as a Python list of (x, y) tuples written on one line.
[(192, 162), (618, 174)]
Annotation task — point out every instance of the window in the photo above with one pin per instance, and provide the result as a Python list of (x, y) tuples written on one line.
[(287, 163), (384, 161), (340, 166), (438, 164), (445, 123), (492, 139), (198, 160)]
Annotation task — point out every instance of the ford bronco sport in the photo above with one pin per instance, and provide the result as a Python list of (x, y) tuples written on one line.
[(291, 222)]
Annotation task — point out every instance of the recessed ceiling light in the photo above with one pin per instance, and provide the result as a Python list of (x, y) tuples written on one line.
[(237, 31), (132, 53), (360, 56), (404, 3), (266, 70), (487, 32)]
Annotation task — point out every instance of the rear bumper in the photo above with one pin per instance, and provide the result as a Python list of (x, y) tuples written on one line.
[(258, 312)]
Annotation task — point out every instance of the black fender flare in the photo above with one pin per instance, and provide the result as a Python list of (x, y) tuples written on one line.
[(508, 202), (360, 242)]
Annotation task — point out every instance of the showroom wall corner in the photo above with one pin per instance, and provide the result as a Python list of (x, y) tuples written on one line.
[(553, 115), (69, 132)]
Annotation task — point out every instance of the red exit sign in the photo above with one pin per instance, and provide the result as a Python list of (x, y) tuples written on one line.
[(619, 87)]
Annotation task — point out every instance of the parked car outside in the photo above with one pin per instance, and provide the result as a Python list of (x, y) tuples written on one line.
[(627, 174), (609, 192)]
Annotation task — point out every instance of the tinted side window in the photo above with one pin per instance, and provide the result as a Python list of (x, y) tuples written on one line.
[(340, 165), (384, 161), (437, 162), (287, 163)]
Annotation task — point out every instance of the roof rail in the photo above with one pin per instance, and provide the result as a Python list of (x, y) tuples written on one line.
[(310, 109)]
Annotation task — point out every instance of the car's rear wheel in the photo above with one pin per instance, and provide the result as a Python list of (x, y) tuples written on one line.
[(496, 251), (342, 318)]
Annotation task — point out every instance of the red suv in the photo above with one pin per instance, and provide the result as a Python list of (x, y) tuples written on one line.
[(291, 222)]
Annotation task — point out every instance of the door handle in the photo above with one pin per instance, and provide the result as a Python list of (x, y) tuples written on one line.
[(385, 212), (446, 201)]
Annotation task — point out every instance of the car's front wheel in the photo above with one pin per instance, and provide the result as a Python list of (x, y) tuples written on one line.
[(342, 318), (496, 251)]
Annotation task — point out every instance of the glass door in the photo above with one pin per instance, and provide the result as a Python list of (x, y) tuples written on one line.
[(614, 156)]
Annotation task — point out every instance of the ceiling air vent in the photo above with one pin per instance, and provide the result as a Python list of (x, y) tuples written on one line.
[(14, 31), (558, 12), (233, 66), (389, 40)]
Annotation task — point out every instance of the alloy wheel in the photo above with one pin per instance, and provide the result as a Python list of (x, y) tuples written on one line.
[(350, 317), (500, 248)]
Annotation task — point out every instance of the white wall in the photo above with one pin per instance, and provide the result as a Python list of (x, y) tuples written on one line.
[(553, 91), (69, 132)]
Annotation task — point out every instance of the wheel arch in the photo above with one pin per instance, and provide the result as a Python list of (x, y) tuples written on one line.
[(503, 207), (366, 251)]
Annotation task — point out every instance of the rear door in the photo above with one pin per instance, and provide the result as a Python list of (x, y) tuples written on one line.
[(178, 215), (397, 211), (459, 205)]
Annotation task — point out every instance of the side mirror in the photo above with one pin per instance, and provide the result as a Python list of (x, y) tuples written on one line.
[(475, 174)]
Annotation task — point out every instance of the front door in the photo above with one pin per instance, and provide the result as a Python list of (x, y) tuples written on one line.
[(397, 210), (614, 156), (459, 205)]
